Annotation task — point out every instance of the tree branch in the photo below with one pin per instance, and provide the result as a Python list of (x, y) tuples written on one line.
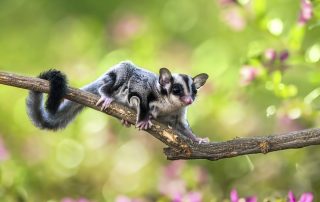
[(180, 147)]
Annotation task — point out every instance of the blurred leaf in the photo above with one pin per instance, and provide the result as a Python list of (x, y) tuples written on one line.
[(97, 159), (296, 37)]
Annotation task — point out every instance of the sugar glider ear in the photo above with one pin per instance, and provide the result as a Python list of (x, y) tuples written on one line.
[(165, 77), (200, 80)]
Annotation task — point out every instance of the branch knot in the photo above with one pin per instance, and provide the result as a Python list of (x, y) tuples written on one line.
[(264, 146)]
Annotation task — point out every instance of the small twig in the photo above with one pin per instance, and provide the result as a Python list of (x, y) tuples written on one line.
[(179, 146), (252, 145)]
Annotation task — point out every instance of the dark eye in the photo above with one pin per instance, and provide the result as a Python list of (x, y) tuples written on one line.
[(176, 89)]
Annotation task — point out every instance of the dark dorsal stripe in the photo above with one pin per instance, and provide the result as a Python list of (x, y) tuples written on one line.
[(118, 84), (109, 81), (143, 107), (151, 97), (186, 80)]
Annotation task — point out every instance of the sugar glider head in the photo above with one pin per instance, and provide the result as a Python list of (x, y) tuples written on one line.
[(180, 89)]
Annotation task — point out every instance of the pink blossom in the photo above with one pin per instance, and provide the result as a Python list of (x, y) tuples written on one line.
[(68, 199), (291, 197), (178, 197), (170, 183), (83, 200), (194, 197), (286, 123), (190, 197), (251, 199), (123, 199), (248, 74), (234, 195), (284, 55), (172, 188), (235, 198), (173, 169), (305, 197), (234, 19), (4, 154), (270, 55), (202, 175), (305, 11), (226, 2), (126, 28)]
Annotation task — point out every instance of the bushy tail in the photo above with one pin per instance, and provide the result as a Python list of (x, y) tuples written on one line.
[(58, 89), (55, 113)]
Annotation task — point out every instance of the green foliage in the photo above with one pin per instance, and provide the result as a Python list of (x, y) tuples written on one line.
[(263, 64)]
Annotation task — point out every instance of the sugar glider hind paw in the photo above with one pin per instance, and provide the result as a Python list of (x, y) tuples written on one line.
[(125, 123), (106, 101), (144, 125)]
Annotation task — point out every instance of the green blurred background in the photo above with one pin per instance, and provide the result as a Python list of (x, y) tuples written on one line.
[(263, 64)]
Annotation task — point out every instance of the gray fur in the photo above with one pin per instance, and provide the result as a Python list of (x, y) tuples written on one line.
[(65, 114), (131, 86)]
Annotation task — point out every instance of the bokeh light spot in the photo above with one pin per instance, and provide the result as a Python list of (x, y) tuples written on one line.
[(132, 156), (271, 110), (313, 54), (275, 26), (69, 153), (94, 131), (294, 113), (243, 2)]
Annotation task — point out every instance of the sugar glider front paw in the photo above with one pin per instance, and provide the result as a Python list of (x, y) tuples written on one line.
[(144, 124), (106, 101)]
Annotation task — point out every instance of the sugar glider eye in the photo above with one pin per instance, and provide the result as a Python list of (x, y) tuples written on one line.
[(177, 89)]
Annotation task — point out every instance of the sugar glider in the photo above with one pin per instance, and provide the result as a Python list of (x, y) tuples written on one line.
[(164, 97)]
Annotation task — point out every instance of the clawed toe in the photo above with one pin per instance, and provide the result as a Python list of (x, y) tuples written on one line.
[(144, 125), (100, 101), (125, 123), (203, 140), (106, 101)]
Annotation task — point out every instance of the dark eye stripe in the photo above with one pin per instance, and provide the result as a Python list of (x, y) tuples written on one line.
[(170, 89), (194, 90), (177, 89), (186, 80)]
